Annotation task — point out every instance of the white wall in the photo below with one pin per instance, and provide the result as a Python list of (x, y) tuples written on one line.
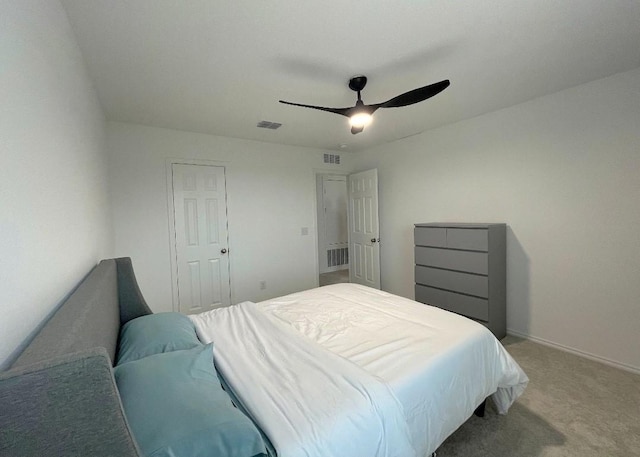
[(563, 171), (271, 196), (53, 188)]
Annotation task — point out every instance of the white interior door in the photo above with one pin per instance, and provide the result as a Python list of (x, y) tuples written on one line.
[(201, 237), (364, 235)]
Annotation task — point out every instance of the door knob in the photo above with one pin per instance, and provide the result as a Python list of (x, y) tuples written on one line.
[(223, 251), (373, 240)]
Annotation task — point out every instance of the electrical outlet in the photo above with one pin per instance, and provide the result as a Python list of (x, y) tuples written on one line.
[(263, 285)]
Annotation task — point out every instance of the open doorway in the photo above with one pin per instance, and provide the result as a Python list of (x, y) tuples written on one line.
[(333, 233)]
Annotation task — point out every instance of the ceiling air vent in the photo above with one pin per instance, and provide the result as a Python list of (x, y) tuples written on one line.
[(268, 125), (332, 158)]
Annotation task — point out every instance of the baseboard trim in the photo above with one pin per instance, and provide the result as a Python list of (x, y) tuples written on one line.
[(587, 355)]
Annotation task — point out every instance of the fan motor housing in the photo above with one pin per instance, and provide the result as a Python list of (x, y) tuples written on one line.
[(357, 83)]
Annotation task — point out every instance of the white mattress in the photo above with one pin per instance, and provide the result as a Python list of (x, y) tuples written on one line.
[(437, 365)]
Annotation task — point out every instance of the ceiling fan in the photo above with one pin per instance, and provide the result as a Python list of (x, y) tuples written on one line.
[(360, 115)]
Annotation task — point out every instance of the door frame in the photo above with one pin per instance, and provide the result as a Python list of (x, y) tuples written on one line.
[(346, 174), (319, 200), (169, 162), (316, 172)]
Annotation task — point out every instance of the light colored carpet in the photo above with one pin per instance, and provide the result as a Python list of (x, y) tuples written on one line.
[(573, 407), (334, 277)]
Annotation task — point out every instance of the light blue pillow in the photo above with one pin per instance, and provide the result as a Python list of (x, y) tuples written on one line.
[(155, 334), (175, 406)]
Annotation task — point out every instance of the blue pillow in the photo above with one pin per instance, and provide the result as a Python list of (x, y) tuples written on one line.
[(175, 406), (154, 334)]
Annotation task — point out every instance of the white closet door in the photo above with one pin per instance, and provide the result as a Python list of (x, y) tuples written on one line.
[(201, 237)]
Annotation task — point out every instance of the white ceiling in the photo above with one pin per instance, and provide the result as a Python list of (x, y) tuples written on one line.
[(220, 67)]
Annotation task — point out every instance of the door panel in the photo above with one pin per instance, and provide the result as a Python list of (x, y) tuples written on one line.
[(200, 223), (364, 234)]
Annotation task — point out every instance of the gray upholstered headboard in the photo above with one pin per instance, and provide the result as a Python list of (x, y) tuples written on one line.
[(92, 315), (60, 397)]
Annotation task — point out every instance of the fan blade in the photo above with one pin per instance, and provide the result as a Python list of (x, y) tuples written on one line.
[(355, 130), (415, 95), (342, 111)]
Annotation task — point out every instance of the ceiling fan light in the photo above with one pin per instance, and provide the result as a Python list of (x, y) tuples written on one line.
[(360, 120)]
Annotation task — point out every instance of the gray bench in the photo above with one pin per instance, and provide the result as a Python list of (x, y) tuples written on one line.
[(59, 397)]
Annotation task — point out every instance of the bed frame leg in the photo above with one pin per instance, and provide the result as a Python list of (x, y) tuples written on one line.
[(480, 409)]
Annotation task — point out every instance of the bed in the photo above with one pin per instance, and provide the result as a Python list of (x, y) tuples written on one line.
[(340, 370), (423, 371)]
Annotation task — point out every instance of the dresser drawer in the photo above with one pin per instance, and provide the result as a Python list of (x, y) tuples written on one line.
[(452, 280), (471, 239), (472, 262), (430, 236), (475, 308)]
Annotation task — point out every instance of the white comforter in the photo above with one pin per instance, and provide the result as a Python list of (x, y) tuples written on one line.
[(354, 343), (308, 401)]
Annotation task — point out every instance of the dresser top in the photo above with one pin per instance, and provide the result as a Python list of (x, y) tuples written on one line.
[(468, 225)]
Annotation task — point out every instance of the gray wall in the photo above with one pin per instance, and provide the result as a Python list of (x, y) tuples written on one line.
[(563, 171), (271, 196), (53, 174)]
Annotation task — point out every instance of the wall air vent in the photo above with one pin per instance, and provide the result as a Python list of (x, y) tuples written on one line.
[(332, 158), (268, 125), (339, 256)]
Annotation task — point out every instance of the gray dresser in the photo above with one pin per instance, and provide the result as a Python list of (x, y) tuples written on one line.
[(462, 268)]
